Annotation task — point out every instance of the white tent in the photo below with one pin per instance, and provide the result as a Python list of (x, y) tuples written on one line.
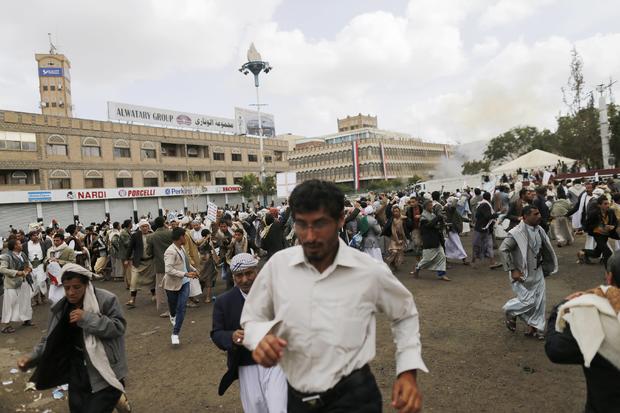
[(535, 159)]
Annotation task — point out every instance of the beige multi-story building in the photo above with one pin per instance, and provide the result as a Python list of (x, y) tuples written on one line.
[(379, 155)]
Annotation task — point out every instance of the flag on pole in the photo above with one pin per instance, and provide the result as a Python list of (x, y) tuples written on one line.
[(383, 161), (356, 165)]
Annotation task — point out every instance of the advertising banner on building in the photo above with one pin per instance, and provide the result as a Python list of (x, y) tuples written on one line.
[(51, 72), (246, 123), (163, 117), (59, 195)]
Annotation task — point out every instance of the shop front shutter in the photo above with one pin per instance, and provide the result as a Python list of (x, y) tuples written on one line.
[(121, 209), (17, 215), (62, 212), (146, 205), (91, 211), (173, 203)]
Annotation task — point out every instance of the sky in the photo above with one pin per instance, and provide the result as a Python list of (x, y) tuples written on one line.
[(445, 71)]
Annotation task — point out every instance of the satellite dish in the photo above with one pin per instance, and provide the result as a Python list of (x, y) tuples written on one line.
[(253, 55)]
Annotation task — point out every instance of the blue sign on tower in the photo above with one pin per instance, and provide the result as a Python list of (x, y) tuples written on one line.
[(51, 71)]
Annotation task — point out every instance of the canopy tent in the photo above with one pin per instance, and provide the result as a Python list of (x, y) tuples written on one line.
[(535, 159)]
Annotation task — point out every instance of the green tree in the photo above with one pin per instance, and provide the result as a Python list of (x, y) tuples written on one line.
[(414, 179), (511, 144), (268, 187), (614, 130), (573, 95), (249, 185), (579, 137), (475, 167)]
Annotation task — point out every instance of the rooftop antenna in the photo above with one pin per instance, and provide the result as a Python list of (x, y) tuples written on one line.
[(52, 47)]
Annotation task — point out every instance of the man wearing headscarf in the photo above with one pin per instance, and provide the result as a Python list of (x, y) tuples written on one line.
[(370, 233), (433, 255), (262, 390), (16, 270), (142, 272), (84, 346)]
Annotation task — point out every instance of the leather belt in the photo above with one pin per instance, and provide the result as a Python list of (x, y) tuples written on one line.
[(316, 400)]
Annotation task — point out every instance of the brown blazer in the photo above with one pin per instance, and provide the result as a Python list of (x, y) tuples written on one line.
[(174, 268)]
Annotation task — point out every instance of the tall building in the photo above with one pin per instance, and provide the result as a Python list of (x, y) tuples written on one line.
[(54, 83), (363, 155)]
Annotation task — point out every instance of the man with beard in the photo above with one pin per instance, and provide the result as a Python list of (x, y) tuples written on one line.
[(310, 311), (262, 390), (528, 257)]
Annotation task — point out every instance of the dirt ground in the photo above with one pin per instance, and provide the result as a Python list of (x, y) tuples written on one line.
[(476, 364)]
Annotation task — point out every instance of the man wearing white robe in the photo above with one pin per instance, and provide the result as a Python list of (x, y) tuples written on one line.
[(16, 269), (528, 257), (36, 255)]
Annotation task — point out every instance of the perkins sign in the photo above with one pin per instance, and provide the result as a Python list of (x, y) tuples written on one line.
[(163, 117), (51, 71)]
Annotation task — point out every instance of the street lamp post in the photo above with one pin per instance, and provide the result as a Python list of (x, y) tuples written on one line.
[(256, 65)]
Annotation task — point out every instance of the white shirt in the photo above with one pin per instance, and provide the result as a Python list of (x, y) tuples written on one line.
[(328, 319), (35, 250)]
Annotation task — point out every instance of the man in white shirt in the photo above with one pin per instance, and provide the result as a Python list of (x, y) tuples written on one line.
[(312, 310)]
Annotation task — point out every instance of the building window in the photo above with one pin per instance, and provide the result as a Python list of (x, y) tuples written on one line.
[(252, 158), (53, 104), (60, 183), (122, 153), (278, 155), (91, 151), (174, 176), (220, 181), (268, 158), (148, 154), (44, 88), (93, 183), (56, 150), (151, 182), (218, 156), (52, 87), (124, 182), (236, 157), (237, 181)]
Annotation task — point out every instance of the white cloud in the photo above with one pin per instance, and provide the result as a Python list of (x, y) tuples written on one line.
[(519, 86), (487, 47), (509, 11)]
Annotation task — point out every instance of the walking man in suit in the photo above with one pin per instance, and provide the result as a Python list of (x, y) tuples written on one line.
[(263, 390), (176, 281)]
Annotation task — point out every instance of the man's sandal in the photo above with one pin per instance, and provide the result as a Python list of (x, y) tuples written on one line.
[(511, 323), (7, 330)]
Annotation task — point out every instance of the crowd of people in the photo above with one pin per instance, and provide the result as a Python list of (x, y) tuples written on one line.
[(282, 357)]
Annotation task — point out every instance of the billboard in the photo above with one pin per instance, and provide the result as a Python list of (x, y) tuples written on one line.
[(163, 117), (59, 195), (51, 71), (285, 183), (246, 122)]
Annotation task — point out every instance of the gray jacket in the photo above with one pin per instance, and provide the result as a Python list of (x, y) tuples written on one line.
[(9, 267), (109, 328)]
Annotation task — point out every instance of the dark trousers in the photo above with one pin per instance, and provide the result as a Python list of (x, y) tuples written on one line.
[(357, 392), (81, 397), (601, 248)]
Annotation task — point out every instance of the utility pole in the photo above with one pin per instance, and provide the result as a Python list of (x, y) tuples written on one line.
[(609, 160)]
